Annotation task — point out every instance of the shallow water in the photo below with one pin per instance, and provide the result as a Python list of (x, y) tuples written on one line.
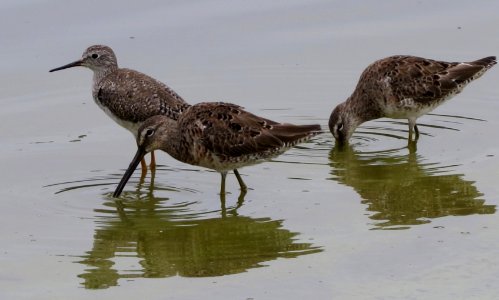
[(380, 219)]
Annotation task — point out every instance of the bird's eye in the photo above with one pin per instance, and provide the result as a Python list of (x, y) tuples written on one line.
[(95, 55), (149, 132)]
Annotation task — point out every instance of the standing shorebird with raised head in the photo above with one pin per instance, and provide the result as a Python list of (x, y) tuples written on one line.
[(219, 136), (127, 96), (403, 87)]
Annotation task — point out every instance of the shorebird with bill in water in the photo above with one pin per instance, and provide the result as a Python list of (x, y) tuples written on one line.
[(403, 87), (219, 136), (127, 96)]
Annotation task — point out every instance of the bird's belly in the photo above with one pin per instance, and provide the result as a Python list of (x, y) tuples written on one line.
[(408, 109), (224, 163), (133, 127)]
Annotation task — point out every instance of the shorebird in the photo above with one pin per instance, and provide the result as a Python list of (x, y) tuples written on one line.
[(219, 136), (127, 96), (403, 87)]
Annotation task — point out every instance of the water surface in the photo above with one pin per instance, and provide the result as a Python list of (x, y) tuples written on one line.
[(380, 219)]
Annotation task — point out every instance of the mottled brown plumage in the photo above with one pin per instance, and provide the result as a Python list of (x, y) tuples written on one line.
[(127, 96), (134, 97), (218, 136), (403, 87)]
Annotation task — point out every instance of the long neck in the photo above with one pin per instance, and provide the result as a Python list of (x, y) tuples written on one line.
[(362, 107), (174, 141), (103, 72)]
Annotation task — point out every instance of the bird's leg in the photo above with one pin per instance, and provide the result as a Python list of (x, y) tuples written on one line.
[(143, 167), (151, 184), (240, 199), (413, 129), (412, 146), (243, 186), (222, 186), (240, 202), (416, 130), (222, 194), (152, 165)]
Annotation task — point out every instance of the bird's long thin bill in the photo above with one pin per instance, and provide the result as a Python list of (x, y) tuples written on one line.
[(70, 65), (133, 165)]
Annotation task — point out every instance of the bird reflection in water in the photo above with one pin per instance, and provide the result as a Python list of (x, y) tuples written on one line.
[(150, 239), (403, 189)]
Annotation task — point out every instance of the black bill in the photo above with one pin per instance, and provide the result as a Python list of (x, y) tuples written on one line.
[(133, 165), (70, 65)]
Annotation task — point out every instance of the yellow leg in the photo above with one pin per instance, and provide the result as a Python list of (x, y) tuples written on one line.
[(153, 160), (143, 166)]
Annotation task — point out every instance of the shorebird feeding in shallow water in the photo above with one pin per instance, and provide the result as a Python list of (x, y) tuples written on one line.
[(403, 87), (218, 136), (127, 96)]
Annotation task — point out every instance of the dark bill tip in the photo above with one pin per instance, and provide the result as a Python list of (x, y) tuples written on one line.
[(70, 65), (133, 165), (341, 142), (340, 145)]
